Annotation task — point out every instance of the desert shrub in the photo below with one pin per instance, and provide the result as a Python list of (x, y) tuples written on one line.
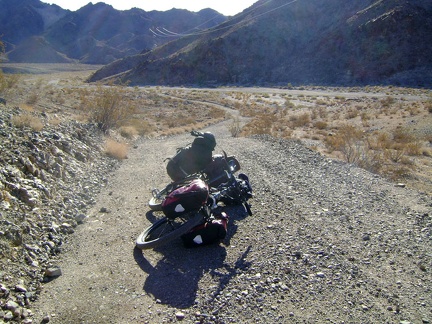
[(142, 126), (128, 131), (289, 104), (352, 113), (428, 106), (116, 149), (300, 120), (387, 101), (109, 107), (347, 140), (320, 124), (216, 113), (260, 124), (27, 120), (32, 98), (322, 112), (8, 81), (235, 127)]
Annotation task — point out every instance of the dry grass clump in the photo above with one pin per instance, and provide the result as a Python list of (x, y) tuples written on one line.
[(260, 125), (8, 81), (116, 149), (28, 120), (129, 132)]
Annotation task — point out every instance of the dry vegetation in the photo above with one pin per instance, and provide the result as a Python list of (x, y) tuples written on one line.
[(386, 130)]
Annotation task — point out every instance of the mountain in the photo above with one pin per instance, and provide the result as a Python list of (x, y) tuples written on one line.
[(327, 42), (96, 34)]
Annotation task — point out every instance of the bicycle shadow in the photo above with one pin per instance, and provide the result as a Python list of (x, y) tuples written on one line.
[(174, 279)]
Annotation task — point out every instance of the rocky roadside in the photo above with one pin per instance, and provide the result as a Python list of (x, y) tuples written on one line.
[(48, 179)]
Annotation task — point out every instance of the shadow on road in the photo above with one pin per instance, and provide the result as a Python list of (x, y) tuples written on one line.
[(174, 279)]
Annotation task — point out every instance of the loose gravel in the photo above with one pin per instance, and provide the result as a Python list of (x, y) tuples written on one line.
[(328, 242)]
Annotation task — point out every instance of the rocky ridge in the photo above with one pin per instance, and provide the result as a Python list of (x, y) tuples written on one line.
[(48, 179)]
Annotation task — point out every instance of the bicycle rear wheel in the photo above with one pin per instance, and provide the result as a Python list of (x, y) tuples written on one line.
[(166, 230)]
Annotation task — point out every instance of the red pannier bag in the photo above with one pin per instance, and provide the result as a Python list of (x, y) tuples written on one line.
[(212, 231), (185, 199)]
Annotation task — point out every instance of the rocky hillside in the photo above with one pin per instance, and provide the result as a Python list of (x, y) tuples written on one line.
[(35, 32), (333, 42), (48, 179)]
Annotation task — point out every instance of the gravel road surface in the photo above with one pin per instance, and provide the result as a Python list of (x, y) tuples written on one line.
[(328, 243)]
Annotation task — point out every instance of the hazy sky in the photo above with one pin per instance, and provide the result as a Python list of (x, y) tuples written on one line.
[(226, 7)]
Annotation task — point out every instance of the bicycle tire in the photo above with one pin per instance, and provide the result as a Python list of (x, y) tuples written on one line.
[(166, 230)]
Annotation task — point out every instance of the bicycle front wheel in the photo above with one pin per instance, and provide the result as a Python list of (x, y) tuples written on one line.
[(166, 230)]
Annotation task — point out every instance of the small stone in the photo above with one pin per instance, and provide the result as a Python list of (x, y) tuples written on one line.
[(80, 218), (320, 274), (180, 315), (8, 316), (401, 185), (11, 305), (20, 288), (53, 272)]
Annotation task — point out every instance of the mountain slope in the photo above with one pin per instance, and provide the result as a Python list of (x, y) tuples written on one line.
[(311, 41), (96, 34)]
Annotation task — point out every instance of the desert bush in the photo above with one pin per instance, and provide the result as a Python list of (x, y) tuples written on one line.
[(8, 81), (235, 127), (401, 135), (32, 98), (320, 124), (289, 104), (108, 107), (428, 106), (116, 149), (128, 132), (347, 140), (216, 113), (27, 120), (260, 124), (387, 101), (300, 120), (352, 113), (142, 127)]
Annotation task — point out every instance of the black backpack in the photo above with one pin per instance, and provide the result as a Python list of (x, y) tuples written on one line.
[(192, 158)]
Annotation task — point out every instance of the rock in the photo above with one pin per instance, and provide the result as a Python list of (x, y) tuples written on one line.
[(20, 288), (180, 316), (320, 274), (80, 218), (11, 305), (53, 272)]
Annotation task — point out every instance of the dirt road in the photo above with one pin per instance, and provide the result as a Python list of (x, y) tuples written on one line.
[(328, 242)]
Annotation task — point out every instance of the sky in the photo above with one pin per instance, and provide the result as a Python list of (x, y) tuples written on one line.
[(225, 7)]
